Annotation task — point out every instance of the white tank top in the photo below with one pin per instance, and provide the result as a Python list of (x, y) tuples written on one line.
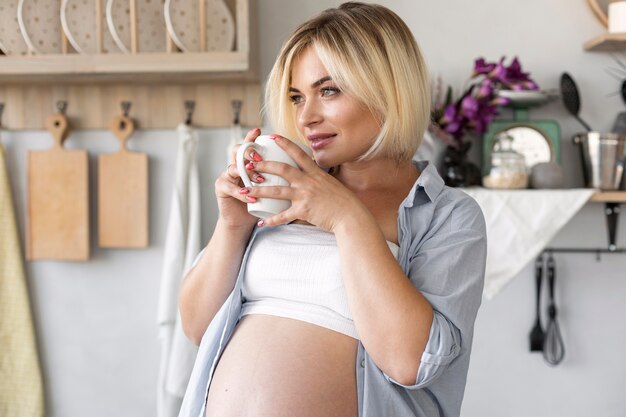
[(293, 271)]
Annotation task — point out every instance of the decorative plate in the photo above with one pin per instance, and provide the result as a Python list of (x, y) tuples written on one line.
[(79, 21), (524, 97), (11, 39), (151, 32), (183, 25), (40, 25)]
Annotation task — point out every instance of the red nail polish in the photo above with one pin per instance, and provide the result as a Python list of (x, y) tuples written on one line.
[(257, 130), (244, 190), (259, 178), (256, 157), (251, 199), (250, 166), (275, 136), (260, 223)]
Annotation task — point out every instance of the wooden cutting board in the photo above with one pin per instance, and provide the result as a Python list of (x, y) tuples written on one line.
[(58, 199), (123, 193)]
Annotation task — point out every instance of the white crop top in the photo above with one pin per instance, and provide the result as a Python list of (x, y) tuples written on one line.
[(293, 271)]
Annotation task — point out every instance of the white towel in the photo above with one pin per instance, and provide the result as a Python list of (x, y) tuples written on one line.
[(236, 137), (21, 387), (520, 224), (182, 244)]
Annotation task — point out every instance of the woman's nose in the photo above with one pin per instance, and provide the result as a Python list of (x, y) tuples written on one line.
[(310, 113)]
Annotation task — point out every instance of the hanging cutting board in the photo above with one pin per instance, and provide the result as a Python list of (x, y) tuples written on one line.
[(58, 199), (123, 193)]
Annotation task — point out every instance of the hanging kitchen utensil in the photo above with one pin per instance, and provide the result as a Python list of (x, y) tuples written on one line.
[(123, 192), (58, 198), (571, 98), (553, 348), (537, 335)]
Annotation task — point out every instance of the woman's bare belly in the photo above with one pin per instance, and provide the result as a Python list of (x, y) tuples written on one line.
[(279, 367)]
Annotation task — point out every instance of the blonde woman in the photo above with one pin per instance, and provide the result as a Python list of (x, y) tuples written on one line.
[(360, 299)]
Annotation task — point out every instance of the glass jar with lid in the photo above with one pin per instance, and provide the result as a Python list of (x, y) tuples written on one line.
[(508, 167)]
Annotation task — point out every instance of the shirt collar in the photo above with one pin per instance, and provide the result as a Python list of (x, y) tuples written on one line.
[(427, 187)]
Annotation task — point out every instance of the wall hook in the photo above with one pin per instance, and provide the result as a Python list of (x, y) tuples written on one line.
[(190, 105), (62, 106), (126, 108), (236, 105)]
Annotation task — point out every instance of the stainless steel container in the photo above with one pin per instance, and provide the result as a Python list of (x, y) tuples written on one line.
[(602, 159)]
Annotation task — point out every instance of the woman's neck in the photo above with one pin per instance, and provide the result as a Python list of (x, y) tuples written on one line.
[(378, 174)]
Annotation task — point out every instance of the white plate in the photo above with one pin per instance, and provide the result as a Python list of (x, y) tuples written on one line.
[(151, 32), (41, 25), (79, 21), (11, 39), (524, 96), (183, 25)]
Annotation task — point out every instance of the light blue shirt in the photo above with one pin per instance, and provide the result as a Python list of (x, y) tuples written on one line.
[(443, 248)]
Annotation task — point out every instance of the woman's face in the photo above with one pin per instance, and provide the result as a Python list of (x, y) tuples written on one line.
[(338, 128)]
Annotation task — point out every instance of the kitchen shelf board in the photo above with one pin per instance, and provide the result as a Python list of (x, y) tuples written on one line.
[(103, 67), (609, 197), (608, 42)]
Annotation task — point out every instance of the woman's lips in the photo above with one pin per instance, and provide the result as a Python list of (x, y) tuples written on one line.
[(320, 143)]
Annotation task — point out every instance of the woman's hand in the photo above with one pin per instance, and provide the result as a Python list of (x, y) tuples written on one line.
[(316, 196), (232, 196)]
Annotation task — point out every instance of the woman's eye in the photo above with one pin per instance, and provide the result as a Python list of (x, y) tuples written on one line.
[(329, 91), (295, 99)]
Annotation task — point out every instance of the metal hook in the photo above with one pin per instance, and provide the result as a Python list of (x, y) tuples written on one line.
[(62, 106), (236, 105), (190, 105), (126, 108)]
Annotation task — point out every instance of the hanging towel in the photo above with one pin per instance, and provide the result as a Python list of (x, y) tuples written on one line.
[(520, 223), (236, 137), (21, 387), (182, 244)]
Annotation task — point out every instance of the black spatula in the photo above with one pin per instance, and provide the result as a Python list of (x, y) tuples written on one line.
[(571, 98), (536, 334)]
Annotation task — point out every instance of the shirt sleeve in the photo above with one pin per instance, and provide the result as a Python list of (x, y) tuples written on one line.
[(449, 269)]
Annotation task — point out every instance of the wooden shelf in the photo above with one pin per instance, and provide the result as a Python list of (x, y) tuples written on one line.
[(608, 42), (76, 68), (157, 84), (609, 197)]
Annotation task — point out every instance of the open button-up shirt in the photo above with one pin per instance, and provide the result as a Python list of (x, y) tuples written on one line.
[(443, 249)]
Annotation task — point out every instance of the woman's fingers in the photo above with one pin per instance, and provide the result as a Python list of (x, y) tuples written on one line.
[(229, 189), (304, 160), (283, 217), (278, 192)]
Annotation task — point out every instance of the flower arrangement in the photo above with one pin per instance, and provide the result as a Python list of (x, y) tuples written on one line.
[(478, 105)]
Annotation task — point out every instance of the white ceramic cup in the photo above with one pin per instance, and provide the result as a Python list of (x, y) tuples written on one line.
[(265, 146), (617, 17)]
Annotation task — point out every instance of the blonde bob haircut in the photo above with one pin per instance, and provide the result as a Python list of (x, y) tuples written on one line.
[(371, 55)]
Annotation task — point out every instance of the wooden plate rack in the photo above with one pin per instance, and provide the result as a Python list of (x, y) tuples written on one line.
[(157, 84)]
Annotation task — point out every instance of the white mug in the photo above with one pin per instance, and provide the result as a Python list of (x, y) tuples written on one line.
[(265, 146)]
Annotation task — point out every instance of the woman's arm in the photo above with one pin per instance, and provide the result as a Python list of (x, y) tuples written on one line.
[(392, 317), (207, 285)]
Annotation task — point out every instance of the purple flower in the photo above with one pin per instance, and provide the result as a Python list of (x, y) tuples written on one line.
[(479, 104), (481, 67)]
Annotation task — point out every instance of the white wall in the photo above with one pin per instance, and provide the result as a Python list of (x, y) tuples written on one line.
[(96, 322)]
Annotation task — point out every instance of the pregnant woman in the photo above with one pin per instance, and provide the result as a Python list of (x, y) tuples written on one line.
[(360, 299)]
